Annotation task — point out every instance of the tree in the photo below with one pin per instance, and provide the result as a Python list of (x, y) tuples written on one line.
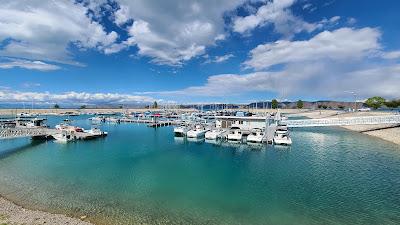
[(274, 103), (56, 106), (393, 104), (375, 102), (83, 107), (155, 105), (300, 104), (341, 107), (324, 106)]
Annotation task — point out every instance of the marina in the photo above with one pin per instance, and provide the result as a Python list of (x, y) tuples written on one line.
[(135, 171)]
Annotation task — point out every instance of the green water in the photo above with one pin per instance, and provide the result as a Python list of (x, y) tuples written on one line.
[(142, 175)]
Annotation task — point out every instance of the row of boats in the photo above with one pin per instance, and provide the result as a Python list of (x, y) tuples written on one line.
[(256, 135)]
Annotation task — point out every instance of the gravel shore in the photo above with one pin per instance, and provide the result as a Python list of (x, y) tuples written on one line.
[(12, 214)]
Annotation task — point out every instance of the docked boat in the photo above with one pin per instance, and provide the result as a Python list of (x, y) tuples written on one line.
[(181, 130), (213, 134), (256, 136), (64, 137), (197, 132), (235, 134), (282, 136), (96, 132)]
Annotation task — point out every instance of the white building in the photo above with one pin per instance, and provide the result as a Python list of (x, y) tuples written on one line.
[(243, 122)]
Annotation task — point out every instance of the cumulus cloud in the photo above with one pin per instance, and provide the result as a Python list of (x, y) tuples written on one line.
[(340, 44), (27, 64), (9, 96), (321, 80), (45, 30), (172, 32), (278, 14)]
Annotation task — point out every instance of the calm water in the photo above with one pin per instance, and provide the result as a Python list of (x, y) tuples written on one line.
[(138, 174)]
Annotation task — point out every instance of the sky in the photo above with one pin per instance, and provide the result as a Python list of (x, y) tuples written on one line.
[(192, 51)]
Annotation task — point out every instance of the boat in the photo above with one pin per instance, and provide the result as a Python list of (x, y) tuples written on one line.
[(282, 136), (64, 137), (256, 136), (235, 134), (96, 132), (197, 132), (98, 119), (213, 134), (181, 130)]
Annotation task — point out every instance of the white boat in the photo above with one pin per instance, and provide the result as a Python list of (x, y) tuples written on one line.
[(64, 137), (97, 132), (235, 134), (197, 132), (213, 134), (181, 130), (256, 136), (282, 136)]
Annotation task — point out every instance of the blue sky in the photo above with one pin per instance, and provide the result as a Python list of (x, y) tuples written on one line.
[(123, 51)]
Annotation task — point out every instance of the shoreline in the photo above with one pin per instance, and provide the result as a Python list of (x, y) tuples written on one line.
[(387, 132), (12, 213)]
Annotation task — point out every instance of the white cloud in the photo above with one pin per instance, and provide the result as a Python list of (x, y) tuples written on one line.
[(27, 64), (276, 13), (391, 55), (340, 44), (317, 80), (8, 96), (218, 59), (45, 29), (172, 32)]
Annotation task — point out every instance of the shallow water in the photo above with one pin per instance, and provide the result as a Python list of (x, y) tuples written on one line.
[(140, 174)]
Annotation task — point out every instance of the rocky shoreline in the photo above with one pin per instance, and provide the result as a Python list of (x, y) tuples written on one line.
[(12, 214)]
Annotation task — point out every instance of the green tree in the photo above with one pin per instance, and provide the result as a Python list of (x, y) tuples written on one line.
[(300, 104), (341, 107), (83, 107), (274, 103), (56, 106), (393, 104), (155, 105), (375, 102), (324, 106)]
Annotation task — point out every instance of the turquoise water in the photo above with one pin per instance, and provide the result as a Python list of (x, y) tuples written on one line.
[(144, 175)]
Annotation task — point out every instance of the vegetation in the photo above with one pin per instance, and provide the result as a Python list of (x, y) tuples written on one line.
[(393, 104), (300, 104), (155, 105), (56, 106), (83, 107), (341, 107), (375, 102), (274, 103)]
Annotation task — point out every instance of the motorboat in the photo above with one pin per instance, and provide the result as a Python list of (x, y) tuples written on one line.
[(181, 130), (282, 136), (256, 135), (213, 134), (197, 132), (64, 137), (235, 134), (96, 132), (98, 119)]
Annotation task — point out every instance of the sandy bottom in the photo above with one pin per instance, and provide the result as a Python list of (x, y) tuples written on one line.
[(11, 213)]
